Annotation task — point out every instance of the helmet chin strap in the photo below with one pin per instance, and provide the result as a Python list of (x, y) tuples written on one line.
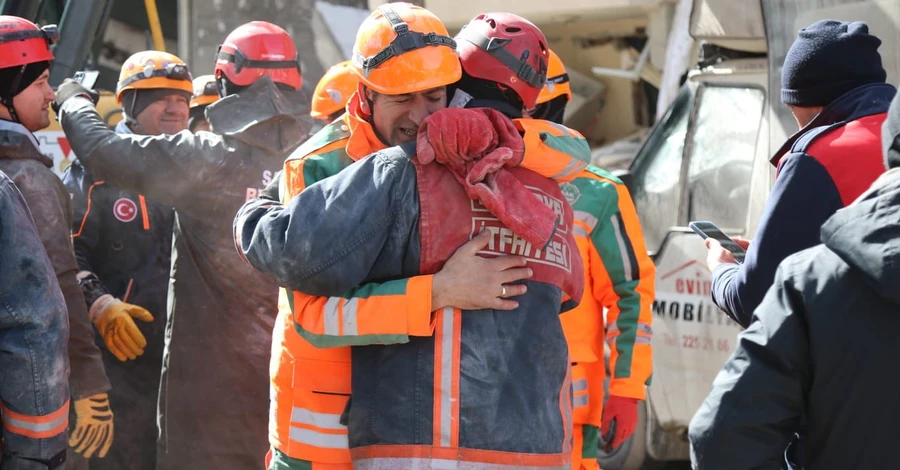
[(7, 100), (8, 103)]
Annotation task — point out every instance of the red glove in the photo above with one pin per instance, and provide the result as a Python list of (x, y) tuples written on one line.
[(456, 137), (477, 145), (623, 411)]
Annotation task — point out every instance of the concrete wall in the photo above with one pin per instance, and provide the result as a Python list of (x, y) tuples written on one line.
[(584, 45)]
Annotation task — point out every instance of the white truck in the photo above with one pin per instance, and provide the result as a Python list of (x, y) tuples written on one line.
[(708, 159)]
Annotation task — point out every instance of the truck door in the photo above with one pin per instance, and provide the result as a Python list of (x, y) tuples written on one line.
[(697, 165)]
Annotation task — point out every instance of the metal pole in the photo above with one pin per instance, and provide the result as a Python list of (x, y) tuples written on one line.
[(78, 27), (159, 43), (184, 31)]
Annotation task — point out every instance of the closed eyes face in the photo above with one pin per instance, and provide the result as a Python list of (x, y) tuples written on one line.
[(397, 117)]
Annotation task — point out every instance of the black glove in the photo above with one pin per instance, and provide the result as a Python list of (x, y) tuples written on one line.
[(70, 88)]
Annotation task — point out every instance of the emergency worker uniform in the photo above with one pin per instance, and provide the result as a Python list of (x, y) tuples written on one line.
[(442, 405), (125, 239), (51, 208), (307, 410), (34, 366), (213, 395), (619, 277)]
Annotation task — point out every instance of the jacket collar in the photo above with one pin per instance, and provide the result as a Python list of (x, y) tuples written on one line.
[(122, 128), (363, 139), (17, 142), (857, 103)]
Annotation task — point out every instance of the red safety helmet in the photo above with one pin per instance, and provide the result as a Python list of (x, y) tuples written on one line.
[(257, 49), (506, 49), (23, 42)]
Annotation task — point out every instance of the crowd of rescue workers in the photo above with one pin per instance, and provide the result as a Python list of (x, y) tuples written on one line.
[(418, 268)]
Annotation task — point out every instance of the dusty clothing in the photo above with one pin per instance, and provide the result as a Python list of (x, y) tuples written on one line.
[(125, 239), (51, 208), (510, 371), (213, 405), (34, 390)]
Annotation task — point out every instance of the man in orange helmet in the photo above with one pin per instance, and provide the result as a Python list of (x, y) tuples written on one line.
[(619, 278), (393, 97), (213, 392), (205, 94), (333, 92), (25, 96), (556, 93), (406, 319), (123, 243)]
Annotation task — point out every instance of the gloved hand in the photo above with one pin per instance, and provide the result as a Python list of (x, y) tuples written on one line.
[(477, 145), (623, 412), (93, 426), (114, 319), (69, 89), (456, 137)]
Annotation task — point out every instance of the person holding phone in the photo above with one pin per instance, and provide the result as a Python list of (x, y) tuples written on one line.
[(123, 244), (820, 355), (834, 83)]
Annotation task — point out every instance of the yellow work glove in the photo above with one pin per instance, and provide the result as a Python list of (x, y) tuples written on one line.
[(115, 321), (93, 426)]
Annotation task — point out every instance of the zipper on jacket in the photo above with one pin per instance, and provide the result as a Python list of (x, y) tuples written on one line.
[(128, 290), (144, 211)]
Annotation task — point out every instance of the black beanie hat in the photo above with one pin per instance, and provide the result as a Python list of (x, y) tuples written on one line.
[(136, 100), (830, 58), (30, 73), (890, 135)]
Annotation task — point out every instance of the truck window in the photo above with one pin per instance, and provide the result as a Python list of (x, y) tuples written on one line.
[(721, 153), (656, 172)]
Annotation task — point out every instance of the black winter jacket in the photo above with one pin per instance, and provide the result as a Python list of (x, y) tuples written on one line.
[(821, 353)]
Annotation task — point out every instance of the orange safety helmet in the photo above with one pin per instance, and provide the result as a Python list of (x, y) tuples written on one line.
[(506, 49), (557, 81), (205, 91), (148, 70), (402, 48), (334, 90), (258, 49)]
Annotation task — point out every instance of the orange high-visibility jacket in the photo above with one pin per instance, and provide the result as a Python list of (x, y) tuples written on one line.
[(619, 276), (311, 386)]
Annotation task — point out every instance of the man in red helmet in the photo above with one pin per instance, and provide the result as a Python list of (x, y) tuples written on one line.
[(486, 388), (214, 391), (25, 96)]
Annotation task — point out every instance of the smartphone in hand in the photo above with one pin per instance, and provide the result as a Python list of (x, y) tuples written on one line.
[(709, 230), (87, 78)]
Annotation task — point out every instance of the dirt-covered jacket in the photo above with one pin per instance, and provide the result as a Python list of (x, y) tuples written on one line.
[(214, 391), (34, 367), (51, 207)]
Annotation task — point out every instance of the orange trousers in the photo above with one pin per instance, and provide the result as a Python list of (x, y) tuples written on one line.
[(584, 448)]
